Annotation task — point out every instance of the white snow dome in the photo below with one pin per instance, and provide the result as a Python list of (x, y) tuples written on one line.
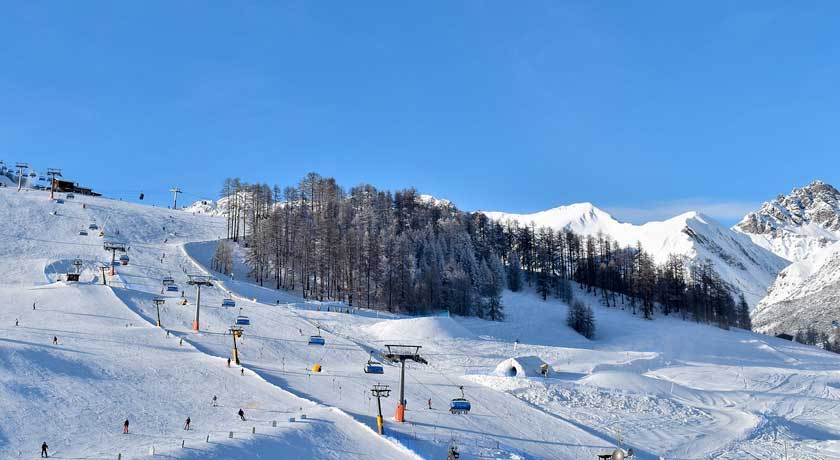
[(522, 366)]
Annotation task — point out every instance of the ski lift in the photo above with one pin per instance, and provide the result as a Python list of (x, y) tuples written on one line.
[(243, 320), (373, 366), (172, 288), (141, 196), (70, 196), (168, 280), (42, 179), (83, 233), (59, 200), (93, 227), (124, 259), (115, 263), (317, 339), (460, 405), (101, 233), (228, 303)]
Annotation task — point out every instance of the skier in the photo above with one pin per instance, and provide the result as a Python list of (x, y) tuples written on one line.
[(33, 305), (242, 414), (228, 362), (16, 322), (453, 453), (430, 403), (125, 426), (55, 340), (300, 331), (187, 424), (242, 372), (44, 448), (215, 404)]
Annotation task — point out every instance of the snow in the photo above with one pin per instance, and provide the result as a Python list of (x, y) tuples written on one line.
[(747, 267), (666, 387), (521, 366)]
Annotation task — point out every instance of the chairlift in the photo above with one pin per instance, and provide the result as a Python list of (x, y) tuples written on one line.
[(373, 366), (172, 288), (59, 200), (243, 320), (460, 405), (228, 303), (42, 179), (83, 233), (168, 280), (124, 259), (115, 263), (93, 227), (101, 233), (70, 196)]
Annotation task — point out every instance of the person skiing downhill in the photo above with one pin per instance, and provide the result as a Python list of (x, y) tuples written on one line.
[(453, 453), (187, 424), (242, 414), (55, 340), (430, 403), (125, 426), (214, 401), (44, 448)]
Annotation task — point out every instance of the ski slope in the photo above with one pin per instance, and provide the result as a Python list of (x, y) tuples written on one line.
[(667, 388)]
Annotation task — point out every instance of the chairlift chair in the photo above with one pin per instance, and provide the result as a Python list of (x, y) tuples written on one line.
[(242, 320), (172, 288), (460, 405), (373, 366), (124, 259), (93, 227), (83, 233), (228, 303), (59, 200), (168, 280)]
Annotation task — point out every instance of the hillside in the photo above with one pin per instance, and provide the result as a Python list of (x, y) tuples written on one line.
[(745, 266)]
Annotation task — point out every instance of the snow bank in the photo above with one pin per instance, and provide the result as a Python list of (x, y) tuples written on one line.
[(418, 329), (522, 366)]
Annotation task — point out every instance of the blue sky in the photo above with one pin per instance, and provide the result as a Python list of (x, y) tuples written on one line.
[(645, 109)]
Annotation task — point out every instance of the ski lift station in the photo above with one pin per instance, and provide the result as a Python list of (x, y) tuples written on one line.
[(523, 366)]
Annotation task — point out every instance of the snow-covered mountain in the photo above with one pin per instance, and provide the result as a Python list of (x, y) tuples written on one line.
[(798, 225), (741, 263), (803, 227)]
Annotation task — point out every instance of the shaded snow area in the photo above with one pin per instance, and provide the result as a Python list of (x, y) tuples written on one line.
[(667, 388)]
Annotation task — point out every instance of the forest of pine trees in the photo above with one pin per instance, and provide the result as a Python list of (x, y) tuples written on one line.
[(399, 252)]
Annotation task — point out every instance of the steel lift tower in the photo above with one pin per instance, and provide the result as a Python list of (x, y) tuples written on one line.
[(198, 281), (400, 354)]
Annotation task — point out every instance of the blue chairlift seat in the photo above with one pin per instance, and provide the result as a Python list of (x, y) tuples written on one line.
[(82, 232), (124, 259), (115, 263), (228, 303), (93, 227), (168, 280), (243, 320), (459, 406), (373, 367), (172, 288), (317, 340), (59, 200)]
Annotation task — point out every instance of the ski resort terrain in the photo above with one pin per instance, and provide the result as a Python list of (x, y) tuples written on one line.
[(666, 388)]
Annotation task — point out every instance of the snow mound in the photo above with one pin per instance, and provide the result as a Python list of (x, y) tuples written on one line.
[(418, 329), (522, 366)]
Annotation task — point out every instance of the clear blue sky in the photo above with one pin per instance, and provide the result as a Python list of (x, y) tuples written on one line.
[(644, 108)]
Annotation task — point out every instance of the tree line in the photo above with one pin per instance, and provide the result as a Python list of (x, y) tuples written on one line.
[(402, 252)]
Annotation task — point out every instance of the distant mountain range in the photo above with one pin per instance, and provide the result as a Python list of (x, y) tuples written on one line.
[(744, 265)]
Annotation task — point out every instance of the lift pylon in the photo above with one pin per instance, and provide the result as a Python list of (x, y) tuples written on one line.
[(400, 354)]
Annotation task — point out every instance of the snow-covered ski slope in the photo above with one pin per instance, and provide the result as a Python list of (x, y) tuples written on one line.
[(667, 387), (111, 364)]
